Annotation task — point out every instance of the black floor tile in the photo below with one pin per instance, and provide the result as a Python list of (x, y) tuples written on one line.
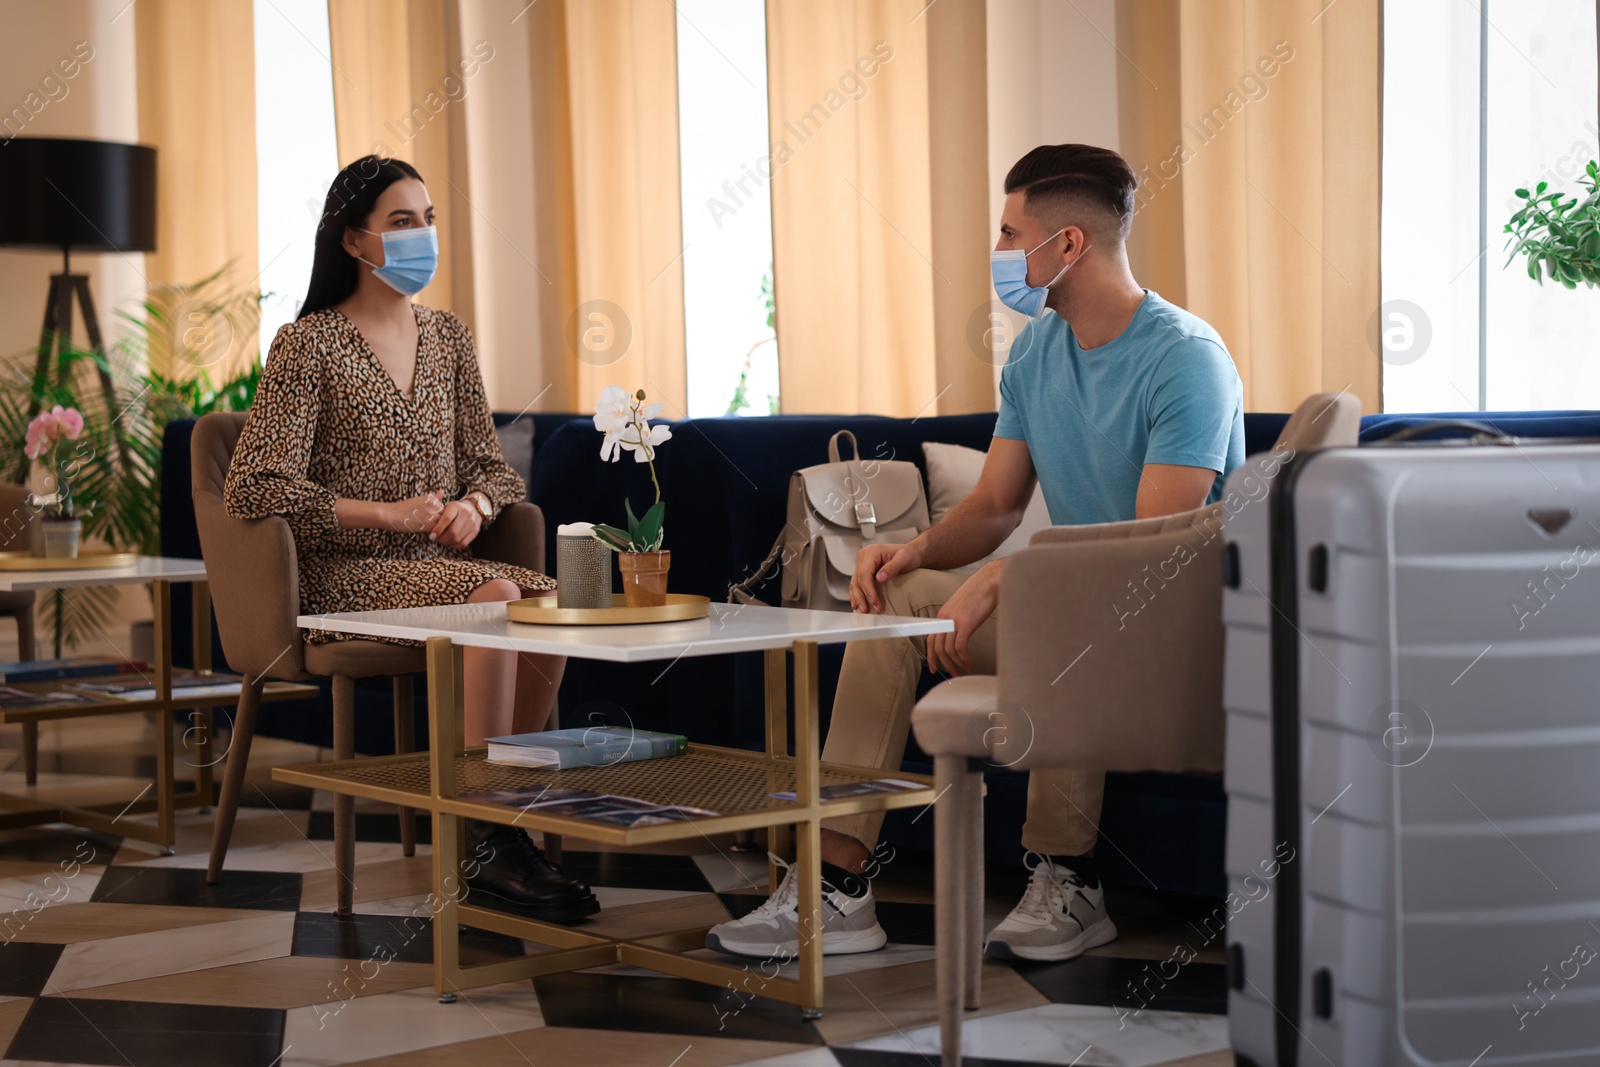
[(65, 845), (406, 938), (265, 890), (131, 1033), (370, 826), (1157, 985), (25, 966), (635, 870), (667, 1006)]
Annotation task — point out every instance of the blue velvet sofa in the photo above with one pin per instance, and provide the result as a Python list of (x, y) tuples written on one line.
[(725, 483)]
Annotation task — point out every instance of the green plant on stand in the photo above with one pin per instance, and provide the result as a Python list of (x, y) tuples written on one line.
[(161, 370)]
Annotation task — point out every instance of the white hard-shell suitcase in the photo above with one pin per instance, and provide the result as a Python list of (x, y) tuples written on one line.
[(1413, 758)]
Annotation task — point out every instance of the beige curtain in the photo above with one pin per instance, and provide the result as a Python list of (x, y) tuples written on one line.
[(1259, 153), (627, 328), (880, 205), (196, 78), (400, 74)]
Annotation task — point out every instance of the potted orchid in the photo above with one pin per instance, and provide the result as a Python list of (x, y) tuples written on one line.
[(62, 524), (624, 418)]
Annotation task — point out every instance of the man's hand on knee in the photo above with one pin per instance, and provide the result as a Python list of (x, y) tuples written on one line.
[(875, 565), (969, 609)]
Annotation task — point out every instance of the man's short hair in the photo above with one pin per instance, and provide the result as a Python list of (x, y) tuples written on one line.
[(1077, 185)]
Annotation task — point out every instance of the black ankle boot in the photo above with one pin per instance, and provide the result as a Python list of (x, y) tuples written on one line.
[(506, 871)]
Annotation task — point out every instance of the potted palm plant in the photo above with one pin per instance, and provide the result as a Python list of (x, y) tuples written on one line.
[(624, 418)]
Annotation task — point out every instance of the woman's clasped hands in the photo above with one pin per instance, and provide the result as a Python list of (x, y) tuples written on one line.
[(453, 524)]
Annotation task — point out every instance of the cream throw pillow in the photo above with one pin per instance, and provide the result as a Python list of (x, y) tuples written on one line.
[(953, 471)]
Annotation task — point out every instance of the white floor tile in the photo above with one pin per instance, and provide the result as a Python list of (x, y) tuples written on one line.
[(811, 1057), (160, 952), (1084, 1035), (734, 871)]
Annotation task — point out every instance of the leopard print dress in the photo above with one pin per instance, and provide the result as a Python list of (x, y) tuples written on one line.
[(329, 422)]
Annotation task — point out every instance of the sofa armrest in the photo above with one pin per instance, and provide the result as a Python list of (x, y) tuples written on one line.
[(1111, 652), (516, 537), (956, 716), (1209, 516)]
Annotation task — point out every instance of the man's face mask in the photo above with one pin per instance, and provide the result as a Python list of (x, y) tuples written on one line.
[(1009, 269)]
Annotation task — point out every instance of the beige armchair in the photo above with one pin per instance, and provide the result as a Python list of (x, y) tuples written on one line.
[(16, 520), (1110, 658), (252, 568)]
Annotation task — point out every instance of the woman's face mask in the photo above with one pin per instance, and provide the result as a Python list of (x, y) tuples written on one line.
[(410, 258), (1009, 269)]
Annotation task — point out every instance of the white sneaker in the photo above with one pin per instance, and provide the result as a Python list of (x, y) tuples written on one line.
[(849, 924), (1059, 918)]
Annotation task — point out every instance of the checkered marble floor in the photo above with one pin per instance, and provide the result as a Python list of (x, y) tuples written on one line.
[(113, 954)]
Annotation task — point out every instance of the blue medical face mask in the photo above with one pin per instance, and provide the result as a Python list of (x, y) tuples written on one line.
[(410, 258), (1010, 272)]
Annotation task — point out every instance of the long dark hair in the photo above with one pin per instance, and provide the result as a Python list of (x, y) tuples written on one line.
[(334, 272)]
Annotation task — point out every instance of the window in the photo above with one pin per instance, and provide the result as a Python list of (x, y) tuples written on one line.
[(296, 152), (727, 208), (1481, 98)]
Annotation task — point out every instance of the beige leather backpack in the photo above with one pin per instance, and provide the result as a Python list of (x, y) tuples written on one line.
[(836, 509)]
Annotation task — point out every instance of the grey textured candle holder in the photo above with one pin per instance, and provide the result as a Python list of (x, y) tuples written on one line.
[(583, 573)]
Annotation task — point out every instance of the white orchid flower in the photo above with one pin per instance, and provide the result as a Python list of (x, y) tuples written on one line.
[(613, 416), (658, 436)]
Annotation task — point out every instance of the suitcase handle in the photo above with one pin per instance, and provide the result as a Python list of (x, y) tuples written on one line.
[(1481, 433)]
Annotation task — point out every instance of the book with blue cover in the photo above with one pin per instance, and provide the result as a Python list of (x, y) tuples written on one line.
[(53, 670), (588, 746)]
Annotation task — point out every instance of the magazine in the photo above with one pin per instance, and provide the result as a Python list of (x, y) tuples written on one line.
[(586, 804), (20, 700), (840, 790), (184, 684)]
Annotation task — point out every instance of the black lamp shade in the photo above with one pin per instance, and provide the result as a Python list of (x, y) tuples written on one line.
[(98, 196)]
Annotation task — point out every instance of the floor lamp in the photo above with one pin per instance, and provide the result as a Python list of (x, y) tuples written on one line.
[(93, 196)]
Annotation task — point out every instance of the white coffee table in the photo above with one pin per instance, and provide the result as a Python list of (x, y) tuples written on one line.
[(159, 573), (735, 783)]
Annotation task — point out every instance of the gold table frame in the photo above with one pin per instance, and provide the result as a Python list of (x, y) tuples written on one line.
[(20, 810), (431, 781)]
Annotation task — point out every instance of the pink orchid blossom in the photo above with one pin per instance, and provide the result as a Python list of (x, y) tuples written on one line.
[(49, 427)]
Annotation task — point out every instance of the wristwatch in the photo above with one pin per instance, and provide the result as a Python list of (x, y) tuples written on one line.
[(481, 502)]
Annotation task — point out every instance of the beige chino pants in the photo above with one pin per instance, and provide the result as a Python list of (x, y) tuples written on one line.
[(872, 715)]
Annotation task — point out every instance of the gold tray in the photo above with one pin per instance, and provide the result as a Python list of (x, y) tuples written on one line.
[(542, 609), (22, 561)]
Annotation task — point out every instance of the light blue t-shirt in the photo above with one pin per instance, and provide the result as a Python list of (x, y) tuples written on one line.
[(1165, 391)]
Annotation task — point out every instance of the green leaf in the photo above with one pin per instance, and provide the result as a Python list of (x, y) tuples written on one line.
[(647, 535), (633, 523), (1522, 194), (1541, 187), (613, 538)]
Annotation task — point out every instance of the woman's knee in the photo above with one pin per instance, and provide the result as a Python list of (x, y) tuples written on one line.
[(495, 589)]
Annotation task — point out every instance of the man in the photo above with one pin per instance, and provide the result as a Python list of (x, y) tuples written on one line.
[(1122, 406)]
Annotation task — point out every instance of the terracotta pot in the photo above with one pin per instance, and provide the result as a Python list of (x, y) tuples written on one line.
[(644, 577)]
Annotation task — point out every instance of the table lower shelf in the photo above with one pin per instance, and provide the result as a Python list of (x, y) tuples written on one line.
[(110, 705), (732, 782)]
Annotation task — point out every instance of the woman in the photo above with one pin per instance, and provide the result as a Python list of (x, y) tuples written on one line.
[(371, 436)]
